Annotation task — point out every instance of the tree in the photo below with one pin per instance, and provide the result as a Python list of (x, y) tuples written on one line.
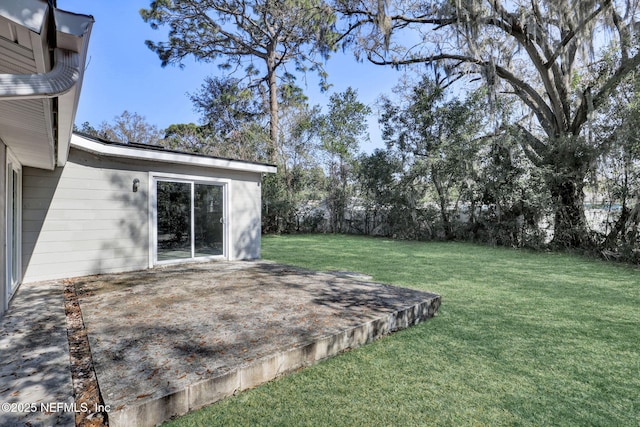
[(383, 198), (340, 131), (86, 128), (232, 122), (247, 143), (513, 196), (130, 127), (616, 184), (441, 136), (291, 194), (126, 128), (274, 32), (560, 58), (226, 105), (187, 137)]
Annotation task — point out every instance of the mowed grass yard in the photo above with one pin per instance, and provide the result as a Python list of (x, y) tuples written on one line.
[(521, 339)]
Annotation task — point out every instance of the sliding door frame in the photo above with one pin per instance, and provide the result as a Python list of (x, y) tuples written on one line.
[(13, 226), (154, 178)]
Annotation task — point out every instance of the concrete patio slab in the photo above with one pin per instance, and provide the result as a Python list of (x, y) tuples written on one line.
[(170, 340), (35, 380)]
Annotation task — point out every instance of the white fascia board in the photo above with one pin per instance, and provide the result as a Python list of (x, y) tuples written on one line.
[(67, 105), (94, 147), (74, 24), (80, 27)]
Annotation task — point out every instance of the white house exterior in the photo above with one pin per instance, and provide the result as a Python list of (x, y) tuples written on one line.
[(73, 205), (104, 211), (42, 56)]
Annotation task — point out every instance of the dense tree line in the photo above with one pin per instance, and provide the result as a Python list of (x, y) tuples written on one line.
[(560, 59)]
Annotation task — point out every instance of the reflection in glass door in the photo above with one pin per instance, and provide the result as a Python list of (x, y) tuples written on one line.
[(174, 220), (209, 218), (189, 221)]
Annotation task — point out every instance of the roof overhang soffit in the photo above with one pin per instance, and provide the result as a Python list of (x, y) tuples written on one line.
[(61, 80)]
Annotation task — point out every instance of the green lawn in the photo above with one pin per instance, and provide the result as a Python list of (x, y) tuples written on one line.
[(521, 339)]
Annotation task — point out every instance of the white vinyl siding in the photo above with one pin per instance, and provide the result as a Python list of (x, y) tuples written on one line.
[(86, 219), (81, 220)]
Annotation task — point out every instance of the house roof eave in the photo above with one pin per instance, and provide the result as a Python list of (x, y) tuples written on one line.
[(34, 126), (165, 156)]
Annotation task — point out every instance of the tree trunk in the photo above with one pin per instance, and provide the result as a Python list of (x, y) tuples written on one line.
[(570, 225), (611, 242), (273, 107), (570, 158), (443, 203)]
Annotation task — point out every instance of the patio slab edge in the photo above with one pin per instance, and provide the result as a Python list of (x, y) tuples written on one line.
[(197, 395)]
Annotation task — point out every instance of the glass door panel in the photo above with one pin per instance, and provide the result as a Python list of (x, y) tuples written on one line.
[(13, 230), (208, 220), (174, 220), (189, 220)]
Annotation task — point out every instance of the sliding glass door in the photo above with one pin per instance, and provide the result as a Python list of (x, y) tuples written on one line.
[(209, 220), (174, 220), (13, 228), (189, 220)]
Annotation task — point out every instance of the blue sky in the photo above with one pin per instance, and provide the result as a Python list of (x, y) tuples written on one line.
[(123, 74)]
